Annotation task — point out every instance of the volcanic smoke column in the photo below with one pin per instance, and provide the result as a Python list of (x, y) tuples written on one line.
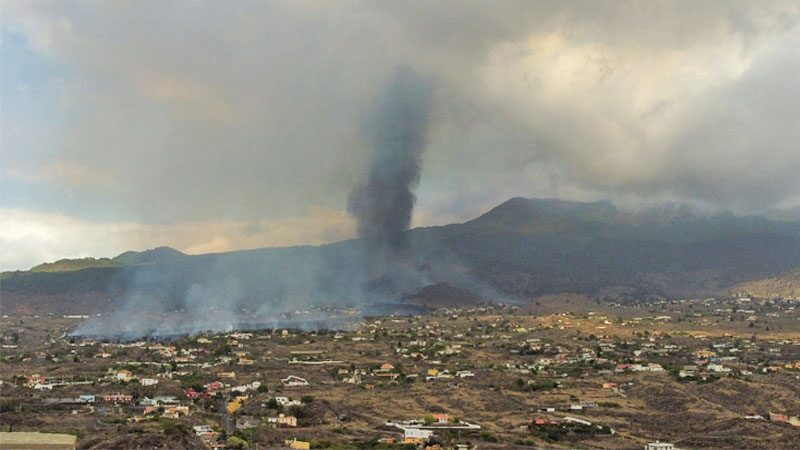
[(383, 204)]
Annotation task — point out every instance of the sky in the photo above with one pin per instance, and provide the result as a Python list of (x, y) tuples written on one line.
[(214, 126)]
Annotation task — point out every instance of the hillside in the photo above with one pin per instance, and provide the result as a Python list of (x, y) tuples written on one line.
[(786, 286), (70, 265), (521, 249), (442, 295), (155, 255)]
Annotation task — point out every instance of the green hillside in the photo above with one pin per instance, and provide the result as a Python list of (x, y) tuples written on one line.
[(784, 286), (69, 265), (129, 258)]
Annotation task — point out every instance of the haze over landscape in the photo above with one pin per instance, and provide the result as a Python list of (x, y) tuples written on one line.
[(458, 224)]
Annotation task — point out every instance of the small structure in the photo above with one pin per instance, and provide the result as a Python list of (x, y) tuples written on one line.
[(175, 412), (416, 436), (660, 446), (441, 418), (292, 380), (286, 401), (287, 421), (124, 375), (295, 444), (247, 423), (777, 417), (118, 398)]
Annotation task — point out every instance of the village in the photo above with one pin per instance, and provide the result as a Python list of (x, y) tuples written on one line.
[(560, 373)]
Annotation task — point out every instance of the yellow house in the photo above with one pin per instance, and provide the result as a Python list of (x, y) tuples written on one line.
[(705, 354), (236, 403), (294, 443), (433, 372), (233, 407)]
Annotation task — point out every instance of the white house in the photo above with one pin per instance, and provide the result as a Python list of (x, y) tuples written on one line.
[(292, 380), (718, 368), (285, 401), (124, 375), (202, 429), (660, 446), (417, 433), (247, 387), (148, 381)]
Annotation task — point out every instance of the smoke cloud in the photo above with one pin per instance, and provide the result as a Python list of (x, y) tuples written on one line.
[(384, 203), (125, 114)]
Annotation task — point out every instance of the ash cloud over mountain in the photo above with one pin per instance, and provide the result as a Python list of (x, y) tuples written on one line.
[(384, 203), (339, 275)]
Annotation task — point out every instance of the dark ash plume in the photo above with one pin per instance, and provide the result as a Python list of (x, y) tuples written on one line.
[(396, 132)]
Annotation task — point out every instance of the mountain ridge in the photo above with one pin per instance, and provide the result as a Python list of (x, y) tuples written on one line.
[(522, 248), (130, 257)]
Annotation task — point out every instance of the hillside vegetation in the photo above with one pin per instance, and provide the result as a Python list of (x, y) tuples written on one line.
[(156, 255), (785, 286), (69, 265)]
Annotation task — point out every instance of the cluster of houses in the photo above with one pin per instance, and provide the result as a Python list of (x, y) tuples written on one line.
[(426, 350)]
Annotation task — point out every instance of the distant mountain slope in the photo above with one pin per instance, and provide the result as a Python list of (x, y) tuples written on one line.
[(442, 295), (155, 255), (785, 286), (522, 248), (70, 265)]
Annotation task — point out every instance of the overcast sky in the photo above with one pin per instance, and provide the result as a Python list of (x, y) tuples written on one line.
[(211, 126)]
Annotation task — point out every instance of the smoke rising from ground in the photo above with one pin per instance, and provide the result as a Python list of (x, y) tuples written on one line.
[(384, 203), (265, 290)]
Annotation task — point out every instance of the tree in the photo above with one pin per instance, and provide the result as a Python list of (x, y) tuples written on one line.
[(236, 442)]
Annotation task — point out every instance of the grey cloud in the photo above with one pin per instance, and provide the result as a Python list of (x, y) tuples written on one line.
[(254, 110)]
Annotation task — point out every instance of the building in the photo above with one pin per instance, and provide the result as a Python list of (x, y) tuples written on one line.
[(292, 380), (247, 423), (285, 401), (148, 381), (441, 418), (416, 436), (776, 417), (124, 375), (295, 444), (660, 446), (287, 421), (118, 398), (175, 412)]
